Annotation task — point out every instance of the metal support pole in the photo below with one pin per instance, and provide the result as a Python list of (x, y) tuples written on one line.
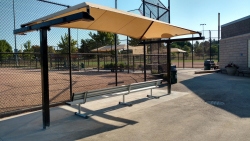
[(158, 57), (192, 52), (169, 67), (168, 11), (203, 40), (218, 37), (144, 47), (115, 61), (133, 63), (168, 55), (183, 55), (144, 61), (116, 51), (127, 55), (70, 69), (98, 59), (178, 58), (44, 78), (14, 17), (210, 44)]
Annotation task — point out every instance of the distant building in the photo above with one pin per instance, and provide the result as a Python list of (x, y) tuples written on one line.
[(235, 43), (135, 50)]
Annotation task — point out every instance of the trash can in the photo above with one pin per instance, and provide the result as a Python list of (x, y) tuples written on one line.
[(208, 64), (82, 65), (173, 74)]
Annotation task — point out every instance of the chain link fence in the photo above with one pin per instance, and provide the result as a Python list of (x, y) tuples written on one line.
[(20, 70)]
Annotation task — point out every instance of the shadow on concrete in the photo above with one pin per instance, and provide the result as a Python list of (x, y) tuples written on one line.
[(64, 124), (234, 91)]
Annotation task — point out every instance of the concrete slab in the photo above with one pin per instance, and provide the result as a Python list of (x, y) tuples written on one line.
[(185, 115), (105, 115)]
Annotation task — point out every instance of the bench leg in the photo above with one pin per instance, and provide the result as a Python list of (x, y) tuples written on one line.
[(79, 112), (123, 102), (151, 96)]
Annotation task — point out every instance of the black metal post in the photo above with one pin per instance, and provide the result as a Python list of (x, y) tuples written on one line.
[(98, 59), (78, 62), (115, 62), (169, 67), (116, 51), (192, 52), (36, 61), (70, 69), (58, 62), (158, 57), (127, 55), (178, 58), (218, 37), (133, 63), (44, 78), (168, 55), (151, 58), (183, 60), (168, 11), (144, 61), (144, 47), (104, 59), (210, 44)]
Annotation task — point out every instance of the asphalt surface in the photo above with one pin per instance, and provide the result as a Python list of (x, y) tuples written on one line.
[(201, 107)]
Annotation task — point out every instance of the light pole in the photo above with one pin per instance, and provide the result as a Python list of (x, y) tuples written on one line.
[(14, 16), (203, 40)]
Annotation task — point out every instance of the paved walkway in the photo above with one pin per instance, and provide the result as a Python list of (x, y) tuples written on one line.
[(203, 107)]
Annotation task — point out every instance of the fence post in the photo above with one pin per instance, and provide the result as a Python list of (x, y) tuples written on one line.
[(133, 63)]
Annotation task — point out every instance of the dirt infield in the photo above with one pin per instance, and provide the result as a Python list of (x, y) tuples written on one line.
[(21, 88), (188, 64)]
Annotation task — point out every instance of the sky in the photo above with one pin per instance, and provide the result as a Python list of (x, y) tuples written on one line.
[(184, 13), (188, 13)]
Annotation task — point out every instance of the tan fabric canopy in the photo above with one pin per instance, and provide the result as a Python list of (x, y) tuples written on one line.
[(116, 21)]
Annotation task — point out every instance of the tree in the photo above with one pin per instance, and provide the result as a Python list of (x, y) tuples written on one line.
[(5, 47), (64, 44), (87, 45), (36, 49), (104, 38), (28, 50), (196, 44), (198, 51), (134, 42), (27, 47)]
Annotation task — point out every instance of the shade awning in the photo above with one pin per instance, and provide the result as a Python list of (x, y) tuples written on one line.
[(115, 21)]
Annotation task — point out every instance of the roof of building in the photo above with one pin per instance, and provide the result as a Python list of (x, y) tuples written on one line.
[(241, 19), (109, 48)]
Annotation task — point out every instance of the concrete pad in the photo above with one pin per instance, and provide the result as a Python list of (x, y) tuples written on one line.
[(206, 71), (185, 115), (107, 115)]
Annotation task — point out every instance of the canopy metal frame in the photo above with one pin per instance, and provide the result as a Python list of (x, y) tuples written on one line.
[(43, 28), (169, 41)]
